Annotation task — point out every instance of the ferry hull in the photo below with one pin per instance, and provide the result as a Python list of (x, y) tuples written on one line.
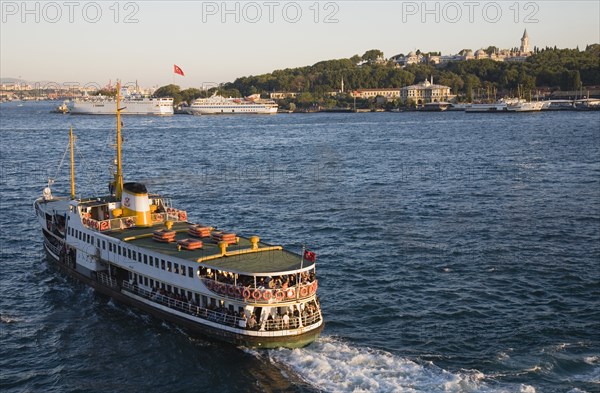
[(297, 341)]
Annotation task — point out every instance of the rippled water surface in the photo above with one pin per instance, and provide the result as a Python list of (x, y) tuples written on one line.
[(456, 252)]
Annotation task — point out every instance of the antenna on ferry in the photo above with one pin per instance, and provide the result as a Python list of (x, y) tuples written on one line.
[(119, 174)]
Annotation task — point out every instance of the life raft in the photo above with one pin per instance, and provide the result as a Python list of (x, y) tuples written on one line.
[(163, 236), (190, 244)]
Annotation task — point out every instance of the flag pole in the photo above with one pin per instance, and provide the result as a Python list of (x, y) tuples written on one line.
[(299, 278)]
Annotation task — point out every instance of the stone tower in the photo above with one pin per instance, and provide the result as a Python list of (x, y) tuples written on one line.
[(525, 42)]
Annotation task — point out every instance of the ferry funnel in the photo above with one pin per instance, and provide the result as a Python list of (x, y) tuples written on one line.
[(135, 203)]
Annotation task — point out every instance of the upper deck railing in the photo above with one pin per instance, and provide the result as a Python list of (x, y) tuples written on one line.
[(171, 214), (262, 295)]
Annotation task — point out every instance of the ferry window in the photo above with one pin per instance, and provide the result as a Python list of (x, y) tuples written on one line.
[(191, 272), (151, 261), (119, 250), (140, 279), (129, 253), (139, 256), (152, 283), (110, 247), (98, 242), (146, 281), (169, 288), (132, 256), (162, 264), (176, 268), (168, 266), (145, 259), (162, 285), (87, 238), (103, 245)]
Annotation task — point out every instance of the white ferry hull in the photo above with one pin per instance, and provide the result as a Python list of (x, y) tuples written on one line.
[(155, 107)]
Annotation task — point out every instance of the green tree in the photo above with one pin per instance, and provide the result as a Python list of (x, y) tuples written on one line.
[(372, 55)]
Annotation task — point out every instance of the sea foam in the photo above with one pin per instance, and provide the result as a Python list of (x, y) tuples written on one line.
[(333, 365)]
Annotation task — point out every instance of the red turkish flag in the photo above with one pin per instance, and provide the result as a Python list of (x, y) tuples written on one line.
[(178, 70), (310, 256)]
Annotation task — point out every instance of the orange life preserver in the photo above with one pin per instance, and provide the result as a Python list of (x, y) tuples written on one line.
[(246, 293), (182, 216), (256, 294), (291, 293), (104, 225), (313, 287), (304, 291), (267, 295), (279, 295)]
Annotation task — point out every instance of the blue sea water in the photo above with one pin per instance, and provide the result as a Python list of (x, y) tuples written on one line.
[(456, 252)]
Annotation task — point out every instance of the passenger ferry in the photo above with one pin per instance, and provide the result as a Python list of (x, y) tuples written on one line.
[(139, 249), (132, 104), (219, 105)]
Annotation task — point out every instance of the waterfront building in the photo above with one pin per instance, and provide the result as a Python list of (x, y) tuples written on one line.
[(281, 95), (425, 92), (372, 93)]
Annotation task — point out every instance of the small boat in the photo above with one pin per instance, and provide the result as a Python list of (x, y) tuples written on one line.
[(62, 108), (435, 106), (524, 106), (497, 107), (138, 249), (587, 104), (557, 105)]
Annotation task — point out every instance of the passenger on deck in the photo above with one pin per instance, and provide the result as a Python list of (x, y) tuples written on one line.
[(252, 321)]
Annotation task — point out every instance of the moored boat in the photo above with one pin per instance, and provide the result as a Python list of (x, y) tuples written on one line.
[(521, 105), (219, 105), (496, 107), (132, 104), (137, 248)]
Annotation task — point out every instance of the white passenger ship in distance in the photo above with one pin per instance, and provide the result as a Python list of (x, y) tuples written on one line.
[(132, 104), (140, 250), (219, 105)]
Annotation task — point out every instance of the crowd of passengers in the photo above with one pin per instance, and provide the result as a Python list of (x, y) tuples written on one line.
[(281, 282), (287, 320)]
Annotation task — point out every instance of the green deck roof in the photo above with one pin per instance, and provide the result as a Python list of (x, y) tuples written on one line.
[(272, 261)]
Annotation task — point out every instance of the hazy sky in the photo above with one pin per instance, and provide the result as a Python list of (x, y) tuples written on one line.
[(215, 41)]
